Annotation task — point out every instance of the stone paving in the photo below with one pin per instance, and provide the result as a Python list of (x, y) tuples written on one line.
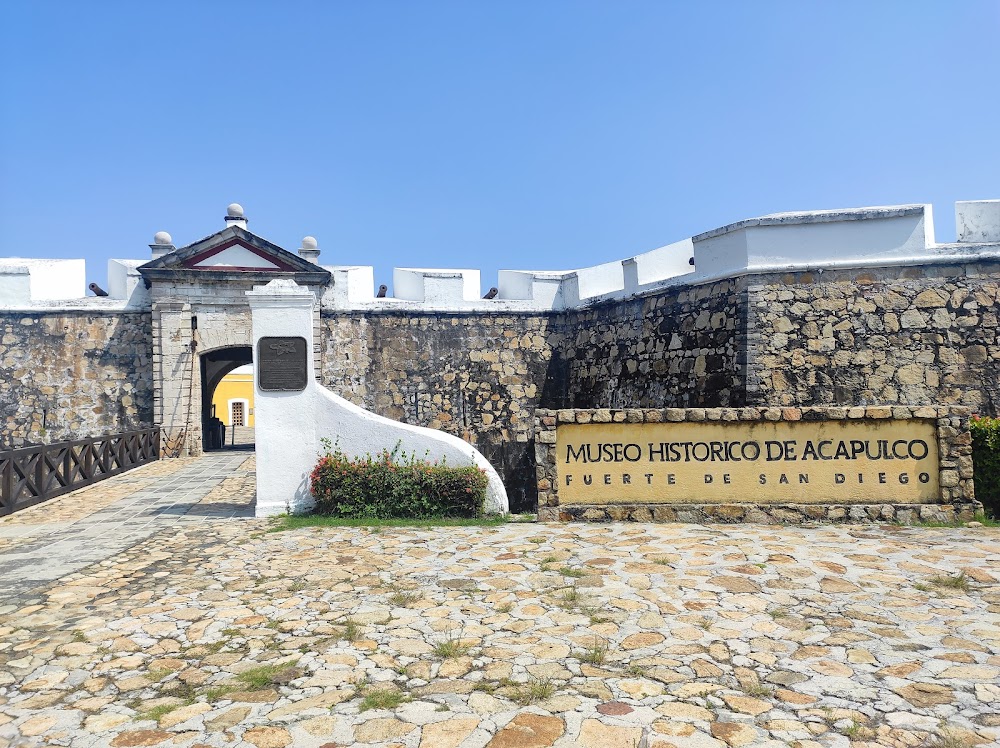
[(216, 632), (48, 541)]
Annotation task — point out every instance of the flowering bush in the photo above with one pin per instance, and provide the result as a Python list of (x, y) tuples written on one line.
[(390, 485), (986, 461)]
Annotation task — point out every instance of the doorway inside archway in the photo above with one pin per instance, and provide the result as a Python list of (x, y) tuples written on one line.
[(227, 404)]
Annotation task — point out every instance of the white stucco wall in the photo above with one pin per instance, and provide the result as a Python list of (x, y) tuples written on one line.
[(977, 220), (290, 425), (49, 280)]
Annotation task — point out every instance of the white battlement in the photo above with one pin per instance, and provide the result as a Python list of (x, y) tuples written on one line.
[(779, 242)]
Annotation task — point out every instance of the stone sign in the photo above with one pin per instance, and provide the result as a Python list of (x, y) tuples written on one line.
[(845, 461), (282, 364)]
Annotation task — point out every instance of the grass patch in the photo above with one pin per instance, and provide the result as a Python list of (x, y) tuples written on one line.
[(986, 520), (533, 691), (596, 654), (157, 712), (959, 582), (296, 521), (757, 690), (450, 647), (570, 599), (261, 676), (404, 598), (79, 637), (382, 698), (216, 693), (505, 608), (352, 630), (568, 571), (158, 674)]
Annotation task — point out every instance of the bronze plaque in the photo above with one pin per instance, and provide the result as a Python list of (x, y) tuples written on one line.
[(282, 364), (768, 462)]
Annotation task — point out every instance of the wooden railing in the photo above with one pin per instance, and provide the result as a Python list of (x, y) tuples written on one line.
[(30, 475)]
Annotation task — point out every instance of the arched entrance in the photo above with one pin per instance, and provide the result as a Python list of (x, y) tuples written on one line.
[(226, 424)]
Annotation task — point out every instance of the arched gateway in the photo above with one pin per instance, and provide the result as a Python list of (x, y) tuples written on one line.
[(201, 318)]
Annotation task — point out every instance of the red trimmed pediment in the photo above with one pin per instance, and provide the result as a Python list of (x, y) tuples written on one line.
[(237, 255)]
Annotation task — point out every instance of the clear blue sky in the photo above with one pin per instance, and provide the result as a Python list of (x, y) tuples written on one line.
[(514, 134)]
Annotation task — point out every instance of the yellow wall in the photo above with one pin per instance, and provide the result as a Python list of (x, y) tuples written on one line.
[(234, 387)]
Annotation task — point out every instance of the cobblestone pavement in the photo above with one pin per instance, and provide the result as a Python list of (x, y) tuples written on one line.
[(219, 633), (47, 541)]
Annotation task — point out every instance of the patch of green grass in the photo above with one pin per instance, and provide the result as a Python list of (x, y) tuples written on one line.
[(958, 582), (596, 654), (297, 521), (636, 670), (404, 598), (757, 690), (297, 586), (178, 689), (450, 647), (532, 691), (568, 571), (158, 674), (258, 677), (352, 630), (215, 693), (79, 637), (505, 608), (569, 599), (778, 612), (536, 540), (382, 698), (949, 737), (157, 712), (922, 587), (853, 730), (550, 559), (984, 519)]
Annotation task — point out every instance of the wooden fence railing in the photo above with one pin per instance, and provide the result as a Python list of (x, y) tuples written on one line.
[(30, 475)]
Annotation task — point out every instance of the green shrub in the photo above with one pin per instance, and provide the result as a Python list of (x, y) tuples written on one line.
[(391, 485), (986, 461)]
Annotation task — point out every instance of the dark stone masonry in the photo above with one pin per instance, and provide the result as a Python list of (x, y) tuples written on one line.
[(909, 335)]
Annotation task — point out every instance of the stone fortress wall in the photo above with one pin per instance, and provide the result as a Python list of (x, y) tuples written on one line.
[(856, 307)]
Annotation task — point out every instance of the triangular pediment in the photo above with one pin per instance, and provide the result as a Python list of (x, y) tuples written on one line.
[(235, 256), (232, 250)]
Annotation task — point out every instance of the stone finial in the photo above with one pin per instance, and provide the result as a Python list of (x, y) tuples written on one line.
[(235, 216), (162, 244), (309, 251)]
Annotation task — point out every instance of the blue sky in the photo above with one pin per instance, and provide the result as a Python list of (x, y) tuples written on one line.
[(492, 135)]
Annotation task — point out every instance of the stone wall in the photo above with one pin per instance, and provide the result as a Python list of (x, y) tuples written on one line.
[(677, 348), (479, 377), (85, 373), (908, 335), (956, 499)]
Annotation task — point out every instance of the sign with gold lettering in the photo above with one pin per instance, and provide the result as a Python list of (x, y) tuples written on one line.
[(800, 462)]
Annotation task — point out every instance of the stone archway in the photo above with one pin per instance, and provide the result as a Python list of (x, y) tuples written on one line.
[(215, 365)]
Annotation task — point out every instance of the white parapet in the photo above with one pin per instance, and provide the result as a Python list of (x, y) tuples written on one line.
[(125, 283), (291, 424), (15, 285), (978, 221), (436, 287), (350, 285), (658, 265), (543, 288), (48, 280), (816, 239)]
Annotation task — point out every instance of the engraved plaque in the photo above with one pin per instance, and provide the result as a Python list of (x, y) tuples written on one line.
[(282, 364)]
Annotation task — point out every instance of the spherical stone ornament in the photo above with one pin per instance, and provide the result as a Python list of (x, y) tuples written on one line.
[(309, 242), (235, 210), (162, 237)]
